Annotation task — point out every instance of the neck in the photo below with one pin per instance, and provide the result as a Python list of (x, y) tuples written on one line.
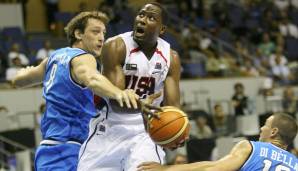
[(148, 48), (279, 144), (76, 45)]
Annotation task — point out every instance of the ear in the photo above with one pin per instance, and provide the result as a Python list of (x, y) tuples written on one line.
[(274, 132), (162, 30), (78, 34)]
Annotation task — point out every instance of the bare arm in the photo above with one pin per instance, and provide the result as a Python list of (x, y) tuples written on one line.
[(30, 76), (113, 56), (84, 72), (172, 90), (231, 162)]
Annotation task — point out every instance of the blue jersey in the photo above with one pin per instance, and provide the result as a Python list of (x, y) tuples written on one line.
[(268, 157), (69, 106)]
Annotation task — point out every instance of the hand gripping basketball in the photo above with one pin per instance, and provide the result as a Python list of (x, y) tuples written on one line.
[(171, 129)]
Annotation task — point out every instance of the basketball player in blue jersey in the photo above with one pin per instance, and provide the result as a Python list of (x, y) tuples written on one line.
[(70, 79), (267, 154)]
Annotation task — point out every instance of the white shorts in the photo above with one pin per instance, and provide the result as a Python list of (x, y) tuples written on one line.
[(118, 148)]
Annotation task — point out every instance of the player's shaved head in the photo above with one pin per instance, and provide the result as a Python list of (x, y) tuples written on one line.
[(287, 127)]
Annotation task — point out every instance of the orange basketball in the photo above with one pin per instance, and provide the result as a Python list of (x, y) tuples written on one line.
[(171, 128)]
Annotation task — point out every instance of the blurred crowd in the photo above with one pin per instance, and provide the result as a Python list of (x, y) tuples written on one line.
[(214, 38), (238, 38)]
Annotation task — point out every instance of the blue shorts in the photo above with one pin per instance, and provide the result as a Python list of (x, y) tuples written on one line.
[(60, 157)]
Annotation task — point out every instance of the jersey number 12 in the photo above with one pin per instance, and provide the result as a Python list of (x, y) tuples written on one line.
[(268, 164)]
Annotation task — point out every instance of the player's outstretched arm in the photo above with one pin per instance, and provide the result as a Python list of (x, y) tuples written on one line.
[(30, 75), (172, 90), (84, 72), (231, 162)]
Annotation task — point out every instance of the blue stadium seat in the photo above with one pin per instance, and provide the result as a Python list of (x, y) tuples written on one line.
[(10, 33), (111, 30), (35, 44), (122, 27), (172, 40), (291, 48), (63, 17), (194, 70)]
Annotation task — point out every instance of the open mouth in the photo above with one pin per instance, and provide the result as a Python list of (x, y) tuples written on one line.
[(139, 31)]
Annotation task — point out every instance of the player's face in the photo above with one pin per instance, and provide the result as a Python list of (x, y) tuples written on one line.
[(148, 24), (93, 36), (266, 130)]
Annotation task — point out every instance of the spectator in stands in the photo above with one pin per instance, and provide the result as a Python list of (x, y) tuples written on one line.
[(266, 47), (248, 69), (287, 28), (224, 124), (82, 7), (278, 53), (240, 100), (106, 8), (241, 49), (261, 63), (3, 108), (281, 72), (15, 52), (282, 4), (195, 51), (289, 101), (200, 129), (52, 7), (44, 52), (11, 72), (213, 64), (3, 65)]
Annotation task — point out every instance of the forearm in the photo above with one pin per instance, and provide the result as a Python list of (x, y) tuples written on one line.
[(199, 166), (26, 77), (101, 86)]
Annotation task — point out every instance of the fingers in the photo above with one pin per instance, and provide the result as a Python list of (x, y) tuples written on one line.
[(126, 99), (152, 97), (152, 107), (133, 98), (129, 97), (155, 95), (149, 166), (119, 100)]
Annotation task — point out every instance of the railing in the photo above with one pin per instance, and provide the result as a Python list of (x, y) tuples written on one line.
[(6, 156)]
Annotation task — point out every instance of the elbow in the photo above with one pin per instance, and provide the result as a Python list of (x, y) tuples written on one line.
[(93, 80), (90, 81)]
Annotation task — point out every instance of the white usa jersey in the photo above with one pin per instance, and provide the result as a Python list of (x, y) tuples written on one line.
[(145, 76), (118, 141)]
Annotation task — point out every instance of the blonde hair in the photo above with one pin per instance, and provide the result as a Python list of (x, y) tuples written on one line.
[(80, 21)]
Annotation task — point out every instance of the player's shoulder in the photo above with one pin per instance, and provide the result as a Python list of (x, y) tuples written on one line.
[(244, 145), (175, 59), (174, 53), (115, 44), (114, 39)]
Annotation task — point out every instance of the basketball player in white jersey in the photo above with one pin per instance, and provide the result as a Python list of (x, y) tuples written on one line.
[(141, 61)]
